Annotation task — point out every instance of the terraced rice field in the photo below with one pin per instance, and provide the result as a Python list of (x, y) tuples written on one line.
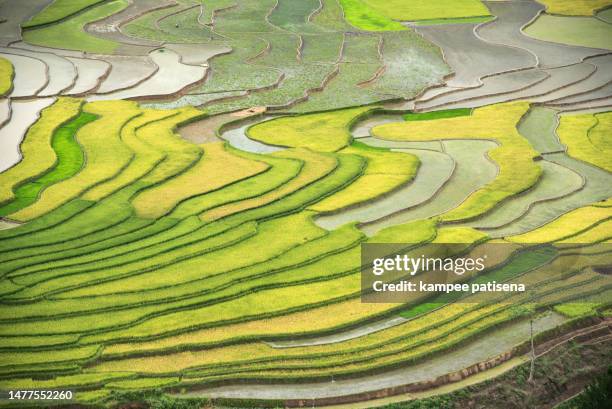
[(186, 188)]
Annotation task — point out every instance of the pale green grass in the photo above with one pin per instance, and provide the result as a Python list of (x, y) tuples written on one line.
[(574, 7), (105, 157), (70, 34), (364, 17), (428, 9), (216, 169), (6, 76), (587, 138), (385, 172), (315, 166), (580, 31), (58, 10), (566, 226), (146, 156), (38, 155), (323, 132)]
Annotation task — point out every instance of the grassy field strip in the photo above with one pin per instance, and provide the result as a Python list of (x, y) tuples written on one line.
[(281, 171), (585, 137), (595, 190), (389, 347), (385, 173), (217, 359), (605, 15), (141, 239), (101, 164), (179, 232), (578, 31), (239, 19), (556, 182), (61, 72), (348, 169), (196, 100), (324, 318), (29, 360), (5, 113), (20, 115), (187, 19), (75, 213), (363, 16), (316, 166), (236, 134), (539, 128), (575, 7), (129, 45), (599, 135), (292, 171), (71, 34), (69, 381), (161, 277), (56, 283), (30, 75), (187, 336), (473, 170), (423, 322), (116, 234), (146, 157), (59, 10), (566, 226), (201, 179), (298, 258), (309, 131), (6, 76), (70, 160), (38, 141), (212, 7), (151, 26), (435, 169), (517, 172), (426, 10)]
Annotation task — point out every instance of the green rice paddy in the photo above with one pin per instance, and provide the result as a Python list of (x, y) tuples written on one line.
[(137, 264)]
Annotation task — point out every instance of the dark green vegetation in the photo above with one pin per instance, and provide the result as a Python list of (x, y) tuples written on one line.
[(426, 116), (69, 161)]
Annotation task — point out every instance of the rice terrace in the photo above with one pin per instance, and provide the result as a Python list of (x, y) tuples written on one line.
[(228, 204)]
